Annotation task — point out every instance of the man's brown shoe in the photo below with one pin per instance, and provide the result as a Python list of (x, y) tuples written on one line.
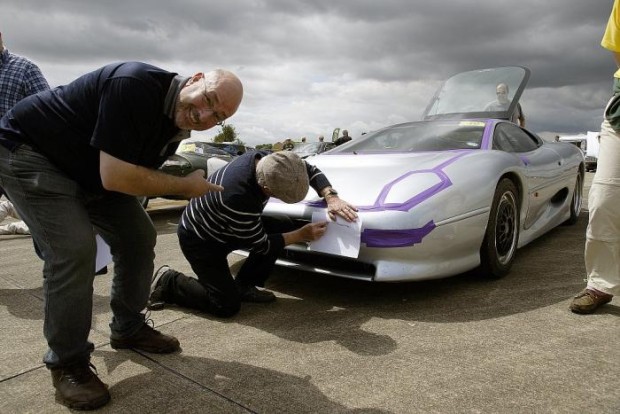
[(79, 388), (149, 340), (588, 300)]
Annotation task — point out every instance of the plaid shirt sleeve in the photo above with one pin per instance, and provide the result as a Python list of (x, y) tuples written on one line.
[(34, 81), (19, 77)]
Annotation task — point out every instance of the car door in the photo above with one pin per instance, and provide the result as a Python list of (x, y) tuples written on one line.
[(543, 169)]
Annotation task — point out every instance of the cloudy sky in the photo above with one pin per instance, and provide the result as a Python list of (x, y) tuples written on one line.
[(309, 66)]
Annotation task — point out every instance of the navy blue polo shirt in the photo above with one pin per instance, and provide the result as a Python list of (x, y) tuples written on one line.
[(118, 109)]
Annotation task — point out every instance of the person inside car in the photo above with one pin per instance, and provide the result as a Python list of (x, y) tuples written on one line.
[(503, 103)]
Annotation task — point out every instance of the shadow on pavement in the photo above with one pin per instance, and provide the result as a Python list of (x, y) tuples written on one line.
[(251, 388), (317, 308), (14, 302)]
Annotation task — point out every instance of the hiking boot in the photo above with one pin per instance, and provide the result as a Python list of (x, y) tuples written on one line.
[(79, 388), (253, 294), (588, 300), (149, 340), (156, 299)]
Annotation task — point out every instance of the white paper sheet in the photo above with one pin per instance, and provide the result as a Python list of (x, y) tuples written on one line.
[(342, 237), (104, 256)]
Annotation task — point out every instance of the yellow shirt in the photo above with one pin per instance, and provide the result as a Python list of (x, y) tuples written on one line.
[(611, 38)]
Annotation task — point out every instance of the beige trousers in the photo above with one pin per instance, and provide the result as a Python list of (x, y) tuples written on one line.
[(602, 252)]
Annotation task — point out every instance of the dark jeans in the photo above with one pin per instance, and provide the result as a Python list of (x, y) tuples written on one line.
[(215, 291), (62, 218)]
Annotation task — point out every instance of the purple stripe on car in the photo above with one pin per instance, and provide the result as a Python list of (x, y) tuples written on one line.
[(381, 205), (396, 238), (487, 134), (406, 237)]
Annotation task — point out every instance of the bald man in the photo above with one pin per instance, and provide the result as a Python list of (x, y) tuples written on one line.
[(503, 103), (74, 158)]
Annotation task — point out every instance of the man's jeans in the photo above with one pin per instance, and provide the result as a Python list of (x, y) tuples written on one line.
[(62, 218)]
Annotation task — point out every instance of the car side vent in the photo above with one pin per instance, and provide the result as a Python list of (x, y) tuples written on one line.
[(560, 197), (343, 266)]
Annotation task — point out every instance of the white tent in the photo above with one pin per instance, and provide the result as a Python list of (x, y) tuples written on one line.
[(593, 144), (589, 144)]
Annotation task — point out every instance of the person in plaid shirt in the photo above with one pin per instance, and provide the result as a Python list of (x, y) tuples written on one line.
[(19, 77)]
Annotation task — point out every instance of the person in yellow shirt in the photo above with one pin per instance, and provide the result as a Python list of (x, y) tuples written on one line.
[(602, 252)]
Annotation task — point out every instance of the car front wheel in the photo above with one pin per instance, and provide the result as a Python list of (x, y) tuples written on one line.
[(502, 234)]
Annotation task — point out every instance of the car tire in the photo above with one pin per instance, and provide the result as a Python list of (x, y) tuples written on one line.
[(502, 234), (575, 202)]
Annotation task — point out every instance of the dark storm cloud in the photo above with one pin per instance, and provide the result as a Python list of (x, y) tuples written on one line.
[(314, 64)]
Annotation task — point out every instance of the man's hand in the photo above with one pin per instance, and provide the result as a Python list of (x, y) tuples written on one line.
[(307, 233), (313, 231), (337, 206), (197, 185)]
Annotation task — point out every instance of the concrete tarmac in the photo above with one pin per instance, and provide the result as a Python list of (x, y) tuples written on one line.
[(330, 345)]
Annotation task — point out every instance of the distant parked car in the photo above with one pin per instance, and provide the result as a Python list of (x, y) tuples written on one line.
[(231, 148), (192, 156), (305, 150)]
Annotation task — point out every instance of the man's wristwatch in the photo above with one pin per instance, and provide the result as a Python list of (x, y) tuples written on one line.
[(331, 192)]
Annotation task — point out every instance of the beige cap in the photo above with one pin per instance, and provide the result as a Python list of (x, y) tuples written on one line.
[(285, 174)]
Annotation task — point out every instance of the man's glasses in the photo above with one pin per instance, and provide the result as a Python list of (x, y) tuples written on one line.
[(219, 118)]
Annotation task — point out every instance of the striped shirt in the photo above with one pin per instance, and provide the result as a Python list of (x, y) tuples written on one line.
[(19, 78), (233, 217)]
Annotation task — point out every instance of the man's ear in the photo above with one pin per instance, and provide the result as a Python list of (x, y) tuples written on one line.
[(195, 78)]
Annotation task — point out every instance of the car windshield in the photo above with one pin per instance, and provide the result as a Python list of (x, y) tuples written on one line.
[(418, 137), (198, 147), (485, 93), (308, 148), (230, 147)]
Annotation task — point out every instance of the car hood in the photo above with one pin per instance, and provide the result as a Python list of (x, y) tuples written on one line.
[(386, 181)]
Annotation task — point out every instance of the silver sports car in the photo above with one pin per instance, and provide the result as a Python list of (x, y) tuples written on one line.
[(462, 189)]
